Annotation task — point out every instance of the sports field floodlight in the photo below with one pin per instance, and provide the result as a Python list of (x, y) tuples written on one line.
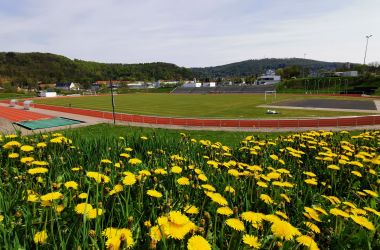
[(366, 46)]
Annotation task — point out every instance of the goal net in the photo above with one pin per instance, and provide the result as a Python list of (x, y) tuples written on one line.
[(270, 95)]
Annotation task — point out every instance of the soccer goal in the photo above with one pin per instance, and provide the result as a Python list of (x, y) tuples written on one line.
[(271, 93)]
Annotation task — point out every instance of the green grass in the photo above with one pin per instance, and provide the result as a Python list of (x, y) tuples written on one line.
[(246, 167), (182, 105), (108, 130), (14, 95)]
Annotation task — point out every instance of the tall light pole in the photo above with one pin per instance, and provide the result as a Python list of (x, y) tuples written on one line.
[(366, 46), (303, 68)]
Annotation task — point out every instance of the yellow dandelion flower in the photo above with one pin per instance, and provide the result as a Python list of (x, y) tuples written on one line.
[(129, 179), (71, 184), (191, 209), (13, 155), (229, 189), (251, 241), (312, 214), (284, 230), (374, 211), (224, 211), (125, 155), (134, 161), (34, 171), (266, 198), (98, 177), (41, 145), (51, 196), (59, 208), (218, 198), (308, 242), (372, 193), (208, 187), (312, 227), (362, 221), (262, 184), (116, 235), (285, 197), (154, 193), (95, 212), (27, 148), (26, 159), (282, 214), (183, 181), (12, 144), (40, 237), (202, 177), (338, 212), (83, 208), (116, 189), (235, 224), (83, 196), (160, 171), (197, 242), (311, 181), (32, 198), (310, 174), (176, 170)]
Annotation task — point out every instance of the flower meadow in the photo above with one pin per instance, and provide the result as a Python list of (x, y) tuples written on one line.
[(309, 190)]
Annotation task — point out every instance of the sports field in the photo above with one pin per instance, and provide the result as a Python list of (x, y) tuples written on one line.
[(182, 105)]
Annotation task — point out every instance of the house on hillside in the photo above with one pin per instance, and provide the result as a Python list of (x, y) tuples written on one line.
[(67, 86), (269, 77), (46, 85)]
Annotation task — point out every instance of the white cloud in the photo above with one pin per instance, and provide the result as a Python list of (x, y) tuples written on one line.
[(192, 33)]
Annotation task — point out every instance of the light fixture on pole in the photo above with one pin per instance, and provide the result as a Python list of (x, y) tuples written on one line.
[(366, 46)]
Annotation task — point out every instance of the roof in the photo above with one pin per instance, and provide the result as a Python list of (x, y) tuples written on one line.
[(63, 84)]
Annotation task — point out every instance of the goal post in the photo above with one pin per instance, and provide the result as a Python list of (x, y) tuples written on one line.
[(89, 92), (272, 93)]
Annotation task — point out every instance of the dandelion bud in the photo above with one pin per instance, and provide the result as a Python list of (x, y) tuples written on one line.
[(207, 215), (92, 233), (236, 210), (18, 214), (130, 220), (153, 244), (147, 224), (203, 222)]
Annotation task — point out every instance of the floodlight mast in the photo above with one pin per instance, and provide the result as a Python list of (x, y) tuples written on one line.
[(366, 46)]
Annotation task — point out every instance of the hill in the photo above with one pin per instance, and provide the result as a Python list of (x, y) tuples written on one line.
[(30, 68), (254, 67)]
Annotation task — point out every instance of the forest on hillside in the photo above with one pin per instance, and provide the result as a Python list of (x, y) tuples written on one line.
[(27, 69)]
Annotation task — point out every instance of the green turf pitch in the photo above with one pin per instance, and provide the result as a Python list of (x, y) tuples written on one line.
[(193, 105)]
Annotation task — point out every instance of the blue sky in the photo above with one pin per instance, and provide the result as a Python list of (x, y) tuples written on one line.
[(192, 33)]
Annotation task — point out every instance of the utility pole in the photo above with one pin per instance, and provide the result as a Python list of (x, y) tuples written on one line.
[(113, 103), (366, 46), (303, 68)]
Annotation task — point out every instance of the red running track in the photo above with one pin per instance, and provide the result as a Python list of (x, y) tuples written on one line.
[(17, 115), (195, 122)]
